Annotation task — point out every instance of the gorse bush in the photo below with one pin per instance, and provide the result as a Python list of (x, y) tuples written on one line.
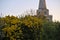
[(28, 28)]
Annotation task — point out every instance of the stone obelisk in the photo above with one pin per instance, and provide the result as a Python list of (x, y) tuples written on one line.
[(42, 9)]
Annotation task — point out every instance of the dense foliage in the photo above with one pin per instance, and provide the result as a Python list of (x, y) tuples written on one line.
[(28, 28)]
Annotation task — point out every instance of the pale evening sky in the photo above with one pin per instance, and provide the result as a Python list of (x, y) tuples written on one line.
[(18, 7)]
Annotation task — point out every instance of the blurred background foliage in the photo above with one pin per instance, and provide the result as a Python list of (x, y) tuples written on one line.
[(28, 28)]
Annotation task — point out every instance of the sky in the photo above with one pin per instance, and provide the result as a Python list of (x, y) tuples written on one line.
[(19, 7)]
